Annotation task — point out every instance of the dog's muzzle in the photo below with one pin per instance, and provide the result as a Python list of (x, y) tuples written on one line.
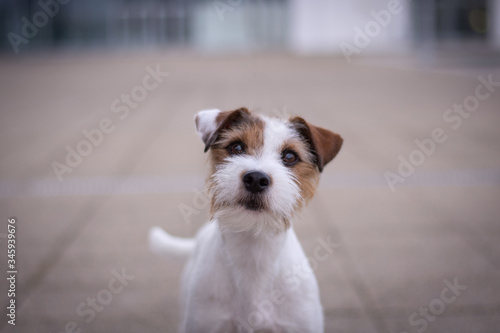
[(255, 183)]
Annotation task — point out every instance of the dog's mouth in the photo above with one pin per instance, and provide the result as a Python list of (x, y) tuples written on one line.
[(255, 204)]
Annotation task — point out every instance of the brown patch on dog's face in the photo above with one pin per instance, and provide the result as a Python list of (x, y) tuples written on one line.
[(307, 179), (249, 131), (305, 171), (223, 121)]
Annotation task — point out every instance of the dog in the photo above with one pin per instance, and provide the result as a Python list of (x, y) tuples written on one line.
[(246, 270)]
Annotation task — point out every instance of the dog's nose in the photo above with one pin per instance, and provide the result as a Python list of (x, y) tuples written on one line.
[(256, 181)]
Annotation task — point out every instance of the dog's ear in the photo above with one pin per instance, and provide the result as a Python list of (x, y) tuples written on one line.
[(211, 123), (323, 143)]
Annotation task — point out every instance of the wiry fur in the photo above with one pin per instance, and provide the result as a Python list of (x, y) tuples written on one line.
[(247, 271)]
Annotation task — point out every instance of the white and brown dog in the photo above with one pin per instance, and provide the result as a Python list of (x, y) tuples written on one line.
[(247, 271)]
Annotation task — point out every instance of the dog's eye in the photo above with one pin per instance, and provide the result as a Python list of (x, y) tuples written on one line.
[(236, 148), (289, 157)]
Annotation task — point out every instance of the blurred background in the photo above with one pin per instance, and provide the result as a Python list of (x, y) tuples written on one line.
[(97, 142), (242, 26)]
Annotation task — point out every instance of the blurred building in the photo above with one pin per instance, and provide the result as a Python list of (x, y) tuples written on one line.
[(320, 26)]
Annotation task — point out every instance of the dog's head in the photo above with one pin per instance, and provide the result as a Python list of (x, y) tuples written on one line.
[(263, 169)]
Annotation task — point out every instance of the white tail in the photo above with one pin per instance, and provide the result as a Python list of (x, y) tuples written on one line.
[(173, 247)]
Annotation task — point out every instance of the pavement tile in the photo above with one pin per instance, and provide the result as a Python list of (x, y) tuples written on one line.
[(395, 248)]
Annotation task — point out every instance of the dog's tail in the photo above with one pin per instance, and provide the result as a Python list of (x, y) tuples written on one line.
[(173, 247)]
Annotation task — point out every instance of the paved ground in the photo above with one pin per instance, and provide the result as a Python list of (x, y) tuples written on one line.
[(422, 258)]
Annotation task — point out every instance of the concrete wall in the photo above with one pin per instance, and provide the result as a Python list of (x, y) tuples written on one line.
[(238, 25), (323, 26), (301, 25)]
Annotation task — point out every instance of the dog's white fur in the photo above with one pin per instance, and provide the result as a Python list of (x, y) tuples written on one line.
[(247, 272)]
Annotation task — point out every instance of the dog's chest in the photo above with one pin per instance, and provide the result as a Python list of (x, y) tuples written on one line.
[(247, 285)]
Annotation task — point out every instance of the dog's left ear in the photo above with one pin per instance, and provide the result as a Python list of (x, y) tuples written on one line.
[(323, 143), (210, 123)]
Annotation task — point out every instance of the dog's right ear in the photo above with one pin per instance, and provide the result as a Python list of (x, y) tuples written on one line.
[(211, 123)]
